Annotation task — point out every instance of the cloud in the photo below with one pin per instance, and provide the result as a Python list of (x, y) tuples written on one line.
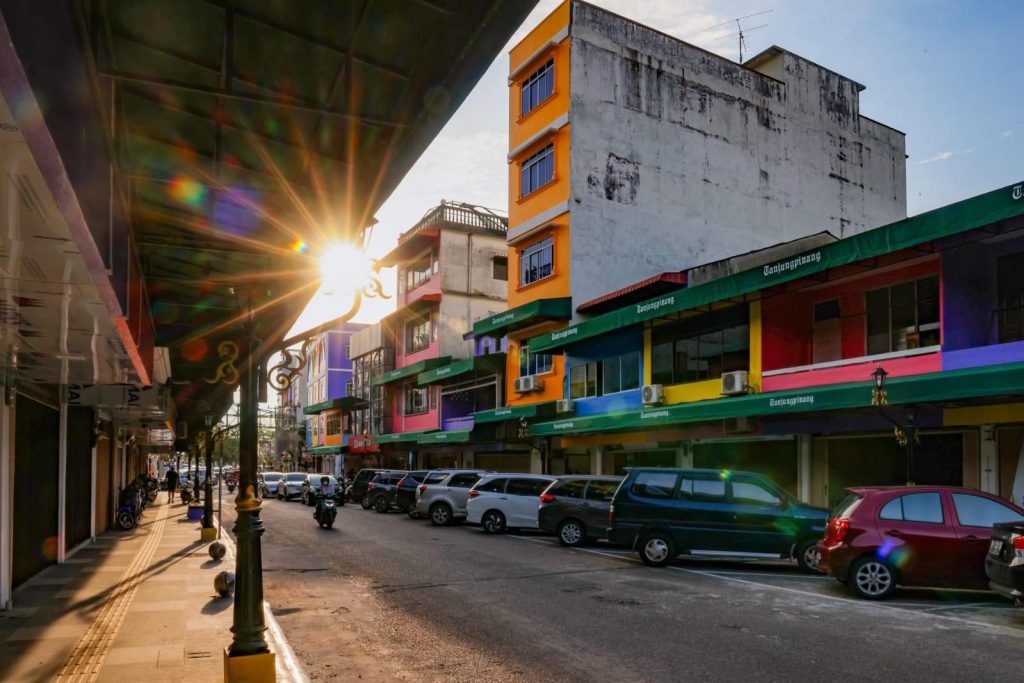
[(943, 156), (1007, 133)]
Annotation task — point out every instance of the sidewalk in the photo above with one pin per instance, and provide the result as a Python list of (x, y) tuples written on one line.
[(136, 605)]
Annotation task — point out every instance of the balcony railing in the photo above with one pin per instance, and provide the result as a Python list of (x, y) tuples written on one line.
[(460, 213)]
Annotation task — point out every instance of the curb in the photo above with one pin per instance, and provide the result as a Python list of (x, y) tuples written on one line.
[(288, 667)]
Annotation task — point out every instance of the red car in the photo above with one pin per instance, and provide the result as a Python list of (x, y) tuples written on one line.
[(881, 537)]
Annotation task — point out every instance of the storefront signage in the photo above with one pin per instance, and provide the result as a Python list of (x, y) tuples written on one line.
[(790, 401), (791, 264), (1018, 191)]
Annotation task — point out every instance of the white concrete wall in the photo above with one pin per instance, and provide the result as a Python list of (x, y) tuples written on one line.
[(368, 339), (458, 313), (680, 157), (466, 262)]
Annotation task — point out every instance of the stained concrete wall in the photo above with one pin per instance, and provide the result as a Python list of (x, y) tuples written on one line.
[(466, 263), (457, 315), (680, 157)]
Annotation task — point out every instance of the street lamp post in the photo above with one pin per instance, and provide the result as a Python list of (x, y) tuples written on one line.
[(906, 433), (208, 532)]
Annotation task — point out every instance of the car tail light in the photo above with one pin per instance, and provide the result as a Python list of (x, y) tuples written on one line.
[(1018, 543), (611, 513), (371, 485), (473, 493), (836, 530), (547, 498), (422, 488), (400, 481)]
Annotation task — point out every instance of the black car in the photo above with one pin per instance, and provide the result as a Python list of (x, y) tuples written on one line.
[(576, 508), (402, 496), (357, 489), (379, 488), (1004, 564), (663, 512)]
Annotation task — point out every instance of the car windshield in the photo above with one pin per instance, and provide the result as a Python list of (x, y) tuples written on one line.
[(295, 476), (846, 506), (271, 476)]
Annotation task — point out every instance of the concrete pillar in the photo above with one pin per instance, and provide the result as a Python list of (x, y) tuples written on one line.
[(803, 467), (468, 460), (536, 461), (93, 498), (597, 460), (684, 456), (62, 478), (988, 460), (6, 502)]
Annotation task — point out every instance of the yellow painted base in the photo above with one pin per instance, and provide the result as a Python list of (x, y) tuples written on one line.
[(208, 534), (250, 669)]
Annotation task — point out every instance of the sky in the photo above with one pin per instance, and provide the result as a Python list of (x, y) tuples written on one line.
[(948, 73)]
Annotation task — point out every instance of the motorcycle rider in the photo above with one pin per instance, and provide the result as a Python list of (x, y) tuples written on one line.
[(325, 491)]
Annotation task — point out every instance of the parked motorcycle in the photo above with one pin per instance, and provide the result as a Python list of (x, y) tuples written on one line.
[(326, 512), (129, 507), (186, 491)]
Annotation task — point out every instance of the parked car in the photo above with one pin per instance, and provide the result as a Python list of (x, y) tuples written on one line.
[(311, 489), (443, 500), (359, 484), (379, 488), (290, 485), (402, 496), (575, 508), (268, 483), (1004, 563), (498, 502), (881, 537), (662, 513)]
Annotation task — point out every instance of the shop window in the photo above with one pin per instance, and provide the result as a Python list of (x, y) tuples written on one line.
[(533, 363), (417, 335), (701, 348), (827, 332), (583, 381), (537, 87), (1010, 295), (537, 170), (609, 376), (499, 268), (333, 424), (418, 273), (903, 316), (415, 399), (536, 261)]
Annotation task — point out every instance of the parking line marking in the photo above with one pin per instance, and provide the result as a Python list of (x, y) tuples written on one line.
[(888, 607)]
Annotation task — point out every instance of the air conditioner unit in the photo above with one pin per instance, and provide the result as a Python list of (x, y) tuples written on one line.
[(735, 383), (653, 394), (738, 425), (528, 384), (564, 406)]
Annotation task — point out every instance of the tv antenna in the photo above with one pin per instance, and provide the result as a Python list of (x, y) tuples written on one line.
[(741, 33)]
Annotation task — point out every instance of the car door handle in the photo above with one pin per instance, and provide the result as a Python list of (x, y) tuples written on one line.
[(974, 539), (894, 532), (502, 498)]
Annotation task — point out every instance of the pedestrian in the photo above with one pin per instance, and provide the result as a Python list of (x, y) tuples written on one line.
[(172, 483)]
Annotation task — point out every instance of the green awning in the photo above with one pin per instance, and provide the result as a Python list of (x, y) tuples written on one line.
[(343, 402), (994, 380), (545, 409), (454, 436), (410, 370), (327, 450), (399, 437), (969, 214), (494, 362), (533, 312)]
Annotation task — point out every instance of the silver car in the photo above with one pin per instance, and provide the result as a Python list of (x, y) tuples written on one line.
[(443, 495), (290, 485), (268, 483)]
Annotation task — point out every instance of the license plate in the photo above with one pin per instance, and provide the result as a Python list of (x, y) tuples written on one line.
[(995, 547)]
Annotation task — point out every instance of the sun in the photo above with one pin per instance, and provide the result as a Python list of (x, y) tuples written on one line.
[(344, 268)]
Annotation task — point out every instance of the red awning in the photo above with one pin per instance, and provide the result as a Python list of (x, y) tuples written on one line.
[(639, 291)]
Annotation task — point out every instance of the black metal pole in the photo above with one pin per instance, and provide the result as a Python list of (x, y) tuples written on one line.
[(248, 621), (208, 484), (911, 437)]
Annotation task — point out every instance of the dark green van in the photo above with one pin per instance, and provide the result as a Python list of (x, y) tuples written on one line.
[(664, 512)]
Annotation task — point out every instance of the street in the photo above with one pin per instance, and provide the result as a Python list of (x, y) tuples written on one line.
[(385, 596)]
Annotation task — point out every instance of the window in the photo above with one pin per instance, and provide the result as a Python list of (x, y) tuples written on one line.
[(1010, 297), (333, 425), (569, 489), (533, 363), (536, 261), (982, 512), (916, 507), (415, 399), (749, 493), (621, 373), (601, 490), (701, 348), (464, 481), (493, 486), (654, 484), (703, 490), (435, 478), (827, 332), (499, 268), (903, 316), (418, 273), (537, 170), (526, 487), (417, 335), (537, 87), (583, 381)]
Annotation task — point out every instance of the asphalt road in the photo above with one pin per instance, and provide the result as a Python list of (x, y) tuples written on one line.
[(386, 597)]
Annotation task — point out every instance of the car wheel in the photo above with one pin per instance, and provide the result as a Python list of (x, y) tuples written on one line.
[(872, 578), (380, 505), (807, 557), (572, 533), (440, 514), (365, 502), (656, 549), (493, 522)]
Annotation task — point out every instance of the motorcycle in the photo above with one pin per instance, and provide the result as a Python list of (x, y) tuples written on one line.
[(129, 507), (152, 488), (186, 492), (326, 512), (232, 485)]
